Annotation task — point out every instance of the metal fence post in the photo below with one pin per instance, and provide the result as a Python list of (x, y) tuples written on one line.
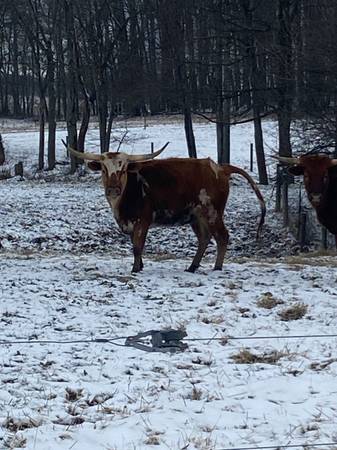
[(278, 188), (18, 169), (251, 157), (324, 239), (302, 230)]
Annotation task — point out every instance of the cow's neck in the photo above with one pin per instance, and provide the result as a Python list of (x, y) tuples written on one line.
[(115, 205)]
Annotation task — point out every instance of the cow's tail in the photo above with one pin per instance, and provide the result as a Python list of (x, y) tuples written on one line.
[(233, 169)]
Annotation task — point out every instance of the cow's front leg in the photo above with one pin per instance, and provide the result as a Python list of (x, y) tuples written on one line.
[(138, 237)]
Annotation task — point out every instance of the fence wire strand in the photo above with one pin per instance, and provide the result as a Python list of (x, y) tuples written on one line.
[(270, 447), (208, 339)]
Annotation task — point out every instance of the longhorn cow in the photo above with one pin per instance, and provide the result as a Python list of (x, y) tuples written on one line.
[(320, 180), (175, 191)]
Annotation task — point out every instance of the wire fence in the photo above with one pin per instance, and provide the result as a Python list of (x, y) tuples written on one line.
[(269, 447), (205, 339)]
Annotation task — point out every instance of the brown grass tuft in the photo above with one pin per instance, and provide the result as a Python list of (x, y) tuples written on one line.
[(245, 356), (72, 395), (268, 301), (12, 424), (295, 312)]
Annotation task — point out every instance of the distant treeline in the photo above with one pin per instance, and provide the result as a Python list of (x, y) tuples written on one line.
[(230, 60)]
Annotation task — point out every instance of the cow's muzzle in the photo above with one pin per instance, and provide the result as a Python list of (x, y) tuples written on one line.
[(113, 191)]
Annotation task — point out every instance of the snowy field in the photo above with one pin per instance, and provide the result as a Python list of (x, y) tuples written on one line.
[(65, 276)]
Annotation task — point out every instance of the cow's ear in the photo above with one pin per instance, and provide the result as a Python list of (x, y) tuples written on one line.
[(134, 167), (296, 170), (94, 165)]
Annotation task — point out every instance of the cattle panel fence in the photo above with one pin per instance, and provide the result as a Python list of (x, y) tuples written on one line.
[(297, 213)]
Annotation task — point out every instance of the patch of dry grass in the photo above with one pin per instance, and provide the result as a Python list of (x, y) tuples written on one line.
[(196, 394), (213, 319), (14, 424), (321, 365), (15, 441), (294, 312), (245, 356), (268, 301), (72, 395)]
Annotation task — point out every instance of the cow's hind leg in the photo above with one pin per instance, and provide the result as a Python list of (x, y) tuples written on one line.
[(220, 233), (204, 237), (138, 241)]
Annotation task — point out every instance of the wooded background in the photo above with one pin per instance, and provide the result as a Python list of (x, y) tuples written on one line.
[(228, 60)]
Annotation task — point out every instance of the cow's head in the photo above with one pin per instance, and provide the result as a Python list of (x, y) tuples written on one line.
[(114, 167), (315, 171)]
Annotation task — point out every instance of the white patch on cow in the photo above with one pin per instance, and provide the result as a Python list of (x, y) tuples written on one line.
[(114, 205), (216, 169), (114, 165), (205, 200), (212, 214), (128, 227), (204, 197)]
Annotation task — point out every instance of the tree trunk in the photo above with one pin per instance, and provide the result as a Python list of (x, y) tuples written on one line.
[(71, 83), (223, 132), (84, 124), (2, 152), (190, 140), (284, 121), (41, 135), (51, 107), (285, 75), (260, 157), (256, 87)]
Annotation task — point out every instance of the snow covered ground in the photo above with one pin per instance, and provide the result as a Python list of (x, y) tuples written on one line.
[(65, 276)]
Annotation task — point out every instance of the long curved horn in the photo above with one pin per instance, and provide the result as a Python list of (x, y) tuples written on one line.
[(147, 155), (82, 155), (287, 160)]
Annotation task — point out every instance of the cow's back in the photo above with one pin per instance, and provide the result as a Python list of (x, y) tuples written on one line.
[(168, 191)]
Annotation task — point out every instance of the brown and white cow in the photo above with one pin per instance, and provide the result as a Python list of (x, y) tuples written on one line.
[(320, 180), (175, 191)]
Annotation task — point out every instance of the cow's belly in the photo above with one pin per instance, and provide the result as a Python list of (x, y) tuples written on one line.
[(167, 217)]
